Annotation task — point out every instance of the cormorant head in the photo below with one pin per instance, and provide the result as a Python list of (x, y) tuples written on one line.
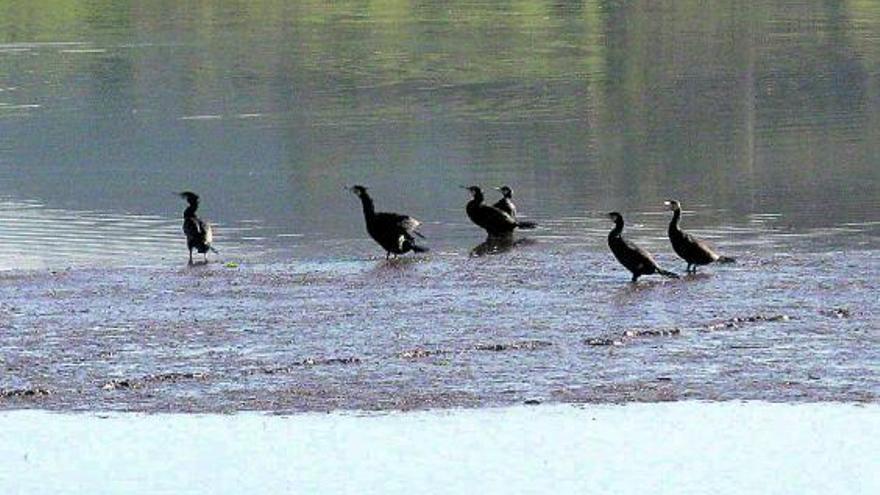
[(506, 191), (474, 190), (672, 204), (617, 217), (190, 197), (358, 191)]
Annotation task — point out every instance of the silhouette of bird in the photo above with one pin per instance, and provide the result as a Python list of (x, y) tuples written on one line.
[(635, 259), (691, 249), (199, 234), (392, 231), (494, 221), (505, 204)]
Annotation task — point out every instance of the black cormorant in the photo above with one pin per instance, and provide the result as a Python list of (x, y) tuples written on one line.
[(392, 231), (505, 204), (199, 234), (494, 221), (634, 258), (688, 247)]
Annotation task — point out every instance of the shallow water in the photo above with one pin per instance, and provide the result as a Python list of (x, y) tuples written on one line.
[(762, 120), (686, 447), (439, 331)]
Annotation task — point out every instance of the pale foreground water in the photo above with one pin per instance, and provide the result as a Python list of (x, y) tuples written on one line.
[(676, 448)]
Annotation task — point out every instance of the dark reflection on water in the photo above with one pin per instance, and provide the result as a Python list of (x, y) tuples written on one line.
[(500, 245), (268, 108)]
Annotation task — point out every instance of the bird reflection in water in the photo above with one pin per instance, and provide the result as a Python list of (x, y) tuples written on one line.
[(500, 244)]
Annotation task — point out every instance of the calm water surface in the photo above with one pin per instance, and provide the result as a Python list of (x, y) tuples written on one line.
[(763, 118), (744, 111)]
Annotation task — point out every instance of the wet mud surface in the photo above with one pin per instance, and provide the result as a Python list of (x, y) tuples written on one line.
[(530, 326)]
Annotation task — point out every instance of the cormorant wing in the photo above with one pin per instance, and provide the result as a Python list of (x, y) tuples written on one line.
[(495, 215), (192, 227), (700, 244), (637, 251), (406, 223), (207, 231), (506, 206)]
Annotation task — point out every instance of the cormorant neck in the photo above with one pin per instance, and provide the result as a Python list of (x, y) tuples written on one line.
[(190, 211), (618, 228), (478, 198), (367, 202), (676, 216)]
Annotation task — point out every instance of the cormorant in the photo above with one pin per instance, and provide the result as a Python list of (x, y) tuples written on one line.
[(496, 222), (505, 204), (392, 231), (634, 258), (199, 234), (688, 247)]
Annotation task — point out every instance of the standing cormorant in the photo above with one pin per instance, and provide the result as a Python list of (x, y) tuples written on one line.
[(634, 258), (392, 231), (688, 247), (199, 234), (505, 204), (495, 221)]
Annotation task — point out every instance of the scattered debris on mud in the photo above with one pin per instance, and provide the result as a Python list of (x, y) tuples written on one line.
[(523, 345), (836, 313), (420, 353), (24, 392), (135, 383), (629, 335), (663, 332), (739, 322), (600, 341), (293, 367)]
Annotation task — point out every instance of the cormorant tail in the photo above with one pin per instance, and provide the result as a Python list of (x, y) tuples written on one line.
[(726, 259), (526, 225), (214, 250), (419, 249), (667, 273), (416, 232)]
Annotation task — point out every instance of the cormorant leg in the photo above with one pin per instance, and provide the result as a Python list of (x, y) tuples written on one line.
[(387, 255), (190, 256), (635, 278)]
